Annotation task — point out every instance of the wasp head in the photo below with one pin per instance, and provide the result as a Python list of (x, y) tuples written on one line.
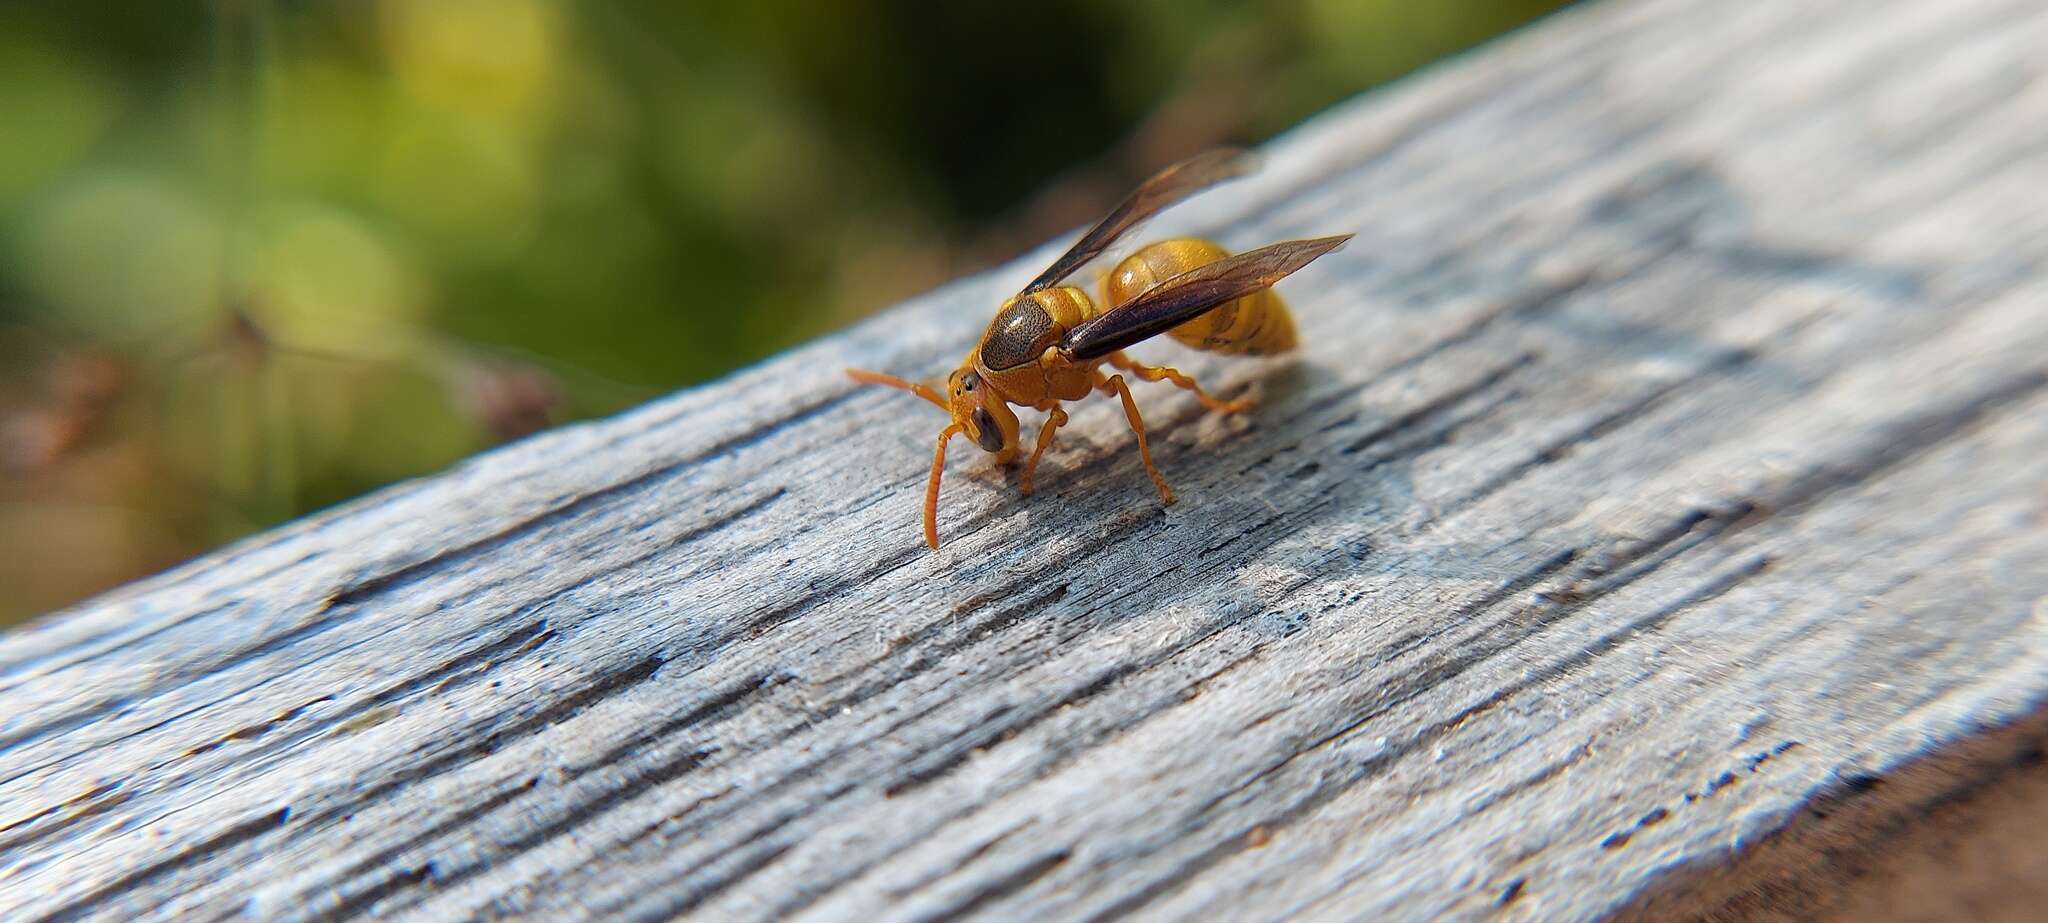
[(981, 413)]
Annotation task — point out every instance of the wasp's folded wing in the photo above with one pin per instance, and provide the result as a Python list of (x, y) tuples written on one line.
[(1186, 296), (1166, 187)]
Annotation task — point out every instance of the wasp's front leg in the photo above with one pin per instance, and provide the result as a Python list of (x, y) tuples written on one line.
[(1054, 419)]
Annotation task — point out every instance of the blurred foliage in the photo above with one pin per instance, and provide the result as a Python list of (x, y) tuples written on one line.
[(258, 256)]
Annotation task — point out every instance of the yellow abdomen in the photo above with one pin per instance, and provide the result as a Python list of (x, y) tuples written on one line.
[(1257, 324)]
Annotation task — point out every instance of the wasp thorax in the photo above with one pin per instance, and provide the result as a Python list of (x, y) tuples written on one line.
[(1020, 332)]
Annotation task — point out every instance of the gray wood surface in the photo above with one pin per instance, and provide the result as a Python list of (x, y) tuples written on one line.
[(1661, 486)]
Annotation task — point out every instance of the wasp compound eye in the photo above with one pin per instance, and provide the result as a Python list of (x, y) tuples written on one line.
[(986, 432)]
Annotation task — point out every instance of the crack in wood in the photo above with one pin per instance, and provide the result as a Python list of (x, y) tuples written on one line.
[(227, 839), (1007, 885), (1324, 791), (84, 716)]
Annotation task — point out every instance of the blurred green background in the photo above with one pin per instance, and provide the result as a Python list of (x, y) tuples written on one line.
[(258, 257)]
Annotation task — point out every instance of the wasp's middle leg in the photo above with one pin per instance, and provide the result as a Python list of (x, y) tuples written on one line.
[(1114, 384), (1179, 379)]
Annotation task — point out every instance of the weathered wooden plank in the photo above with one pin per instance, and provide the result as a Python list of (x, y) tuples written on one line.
[(1660, 479)]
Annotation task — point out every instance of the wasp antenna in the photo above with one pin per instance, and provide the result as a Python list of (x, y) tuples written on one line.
[(931, 487), (921, 390)]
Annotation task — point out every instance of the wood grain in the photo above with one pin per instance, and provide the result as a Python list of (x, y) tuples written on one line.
[(1662, 472)]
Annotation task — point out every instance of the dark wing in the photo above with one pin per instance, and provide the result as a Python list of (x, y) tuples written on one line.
[(1185, 296), (1166, 187)]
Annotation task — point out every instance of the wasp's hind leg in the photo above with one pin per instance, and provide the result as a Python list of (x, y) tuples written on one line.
[(1114, 384), (1180, 379)]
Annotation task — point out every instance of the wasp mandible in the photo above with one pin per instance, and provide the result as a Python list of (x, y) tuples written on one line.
[(1048, 343)]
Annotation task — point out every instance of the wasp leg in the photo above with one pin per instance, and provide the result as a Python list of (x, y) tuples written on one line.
[(1114, 384), (1160, 373), (1053, 421)]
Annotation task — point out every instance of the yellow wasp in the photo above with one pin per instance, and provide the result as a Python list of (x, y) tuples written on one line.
[(1049, 342)]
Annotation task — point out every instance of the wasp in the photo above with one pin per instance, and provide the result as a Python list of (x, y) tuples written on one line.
[(1048, 343)]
